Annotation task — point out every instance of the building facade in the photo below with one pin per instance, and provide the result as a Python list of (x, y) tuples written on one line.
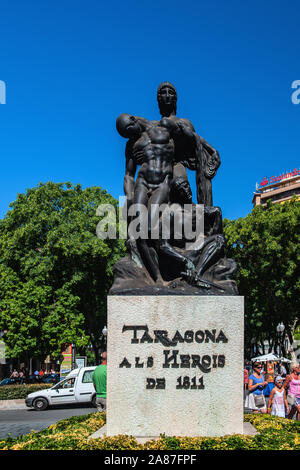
[(277, 188)]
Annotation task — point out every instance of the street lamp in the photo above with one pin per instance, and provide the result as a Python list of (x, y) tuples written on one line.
[(104, 332), (280, 329), (73, 356)]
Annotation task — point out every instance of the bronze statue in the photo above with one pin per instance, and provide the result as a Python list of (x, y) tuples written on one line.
[(191, 150), (164, 265)]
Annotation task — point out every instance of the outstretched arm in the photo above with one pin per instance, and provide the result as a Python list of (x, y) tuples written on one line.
[(287, 382)]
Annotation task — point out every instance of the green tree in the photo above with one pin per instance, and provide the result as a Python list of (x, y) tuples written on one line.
[(54, 271), (265, 245)]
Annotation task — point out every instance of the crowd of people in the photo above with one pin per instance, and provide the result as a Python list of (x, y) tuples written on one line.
[(19, 376), (23, 376), (279, 396)]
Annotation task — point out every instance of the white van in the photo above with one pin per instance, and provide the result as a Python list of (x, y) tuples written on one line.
[(76, 387)]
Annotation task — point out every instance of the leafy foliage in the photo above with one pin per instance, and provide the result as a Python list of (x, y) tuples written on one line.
[(73, 434), (18, 392), (54, 271), (265, 245)]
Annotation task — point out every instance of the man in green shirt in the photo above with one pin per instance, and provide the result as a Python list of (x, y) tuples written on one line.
[(99, 381)]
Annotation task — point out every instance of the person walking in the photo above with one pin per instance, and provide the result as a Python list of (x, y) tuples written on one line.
[(282, 370), (278, 405), (99, 381), (292, 384), (255, 399)]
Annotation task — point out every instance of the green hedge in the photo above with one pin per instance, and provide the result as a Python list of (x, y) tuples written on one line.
[(73, 433), (18, 392)]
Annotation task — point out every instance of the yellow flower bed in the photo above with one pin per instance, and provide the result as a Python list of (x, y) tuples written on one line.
[(74, 434)]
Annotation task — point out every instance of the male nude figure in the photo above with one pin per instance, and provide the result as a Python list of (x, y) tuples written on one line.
[(182, 130), (151, 146), (191, 150)]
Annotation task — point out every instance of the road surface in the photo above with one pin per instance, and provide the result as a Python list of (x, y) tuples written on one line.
[(18, 422)]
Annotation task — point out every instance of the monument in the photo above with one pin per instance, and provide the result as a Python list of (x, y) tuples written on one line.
[(175, 319)]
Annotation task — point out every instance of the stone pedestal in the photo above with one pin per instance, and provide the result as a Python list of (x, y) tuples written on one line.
[(175, 365)]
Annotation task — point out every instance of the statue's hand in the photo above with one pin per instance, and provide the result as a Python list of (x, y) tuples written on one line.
[(190, 272), (193, 277)]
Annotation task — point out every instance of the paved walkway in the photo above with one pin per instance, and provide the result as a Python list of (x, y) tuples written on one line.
[(12, 405)]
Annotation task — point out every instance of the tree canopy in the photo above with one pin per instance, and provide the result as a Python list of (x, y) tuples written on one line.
[(265, 245), (54, 271)]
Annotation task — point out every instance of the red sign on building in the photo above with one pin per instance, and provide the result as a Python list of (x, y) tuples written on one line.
[(276, 179)]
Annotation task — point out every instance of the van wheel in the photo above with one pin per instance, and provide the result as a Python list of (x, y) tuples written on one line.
[(40, 404), (94, 401)]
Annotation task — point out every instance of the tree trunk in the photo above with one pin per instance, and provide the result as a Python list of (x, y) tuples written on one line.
[(291, 340)]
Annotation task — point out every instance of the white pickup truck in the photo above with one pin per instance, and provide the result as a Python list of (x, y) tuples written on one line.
[(76, 387)]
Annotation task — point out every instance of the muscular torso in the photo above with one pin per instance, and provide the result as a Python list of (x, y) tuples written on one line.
[(155, 151)]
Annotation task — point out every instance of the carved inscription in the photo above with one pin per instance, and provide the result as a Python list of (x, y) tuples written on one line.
[(172, 358)]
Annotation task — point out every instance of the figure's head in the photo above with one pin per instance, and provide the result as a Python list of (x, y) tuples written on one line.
[(257, 366), (104, 357), (180, 191), (128, 126), (167, 99), (279, 382)]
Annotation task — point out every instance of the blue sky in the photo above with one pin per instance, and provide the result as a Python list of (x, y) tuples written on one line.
[(71, 67)]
